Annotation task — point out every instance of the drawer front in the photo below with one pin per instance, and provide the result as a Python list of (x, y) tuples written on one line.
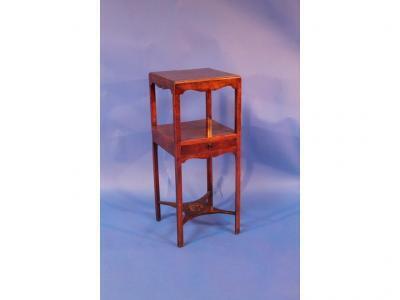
[(203, 150)]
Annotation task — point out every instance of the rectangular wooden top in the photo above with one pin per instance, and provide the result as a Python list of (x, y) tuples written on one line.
[(176, 77)]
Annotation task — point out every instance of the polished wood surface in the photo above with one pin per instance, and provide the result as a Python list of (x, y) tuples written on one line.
[(191, 75), (204, 79), (193, 131), (204, 139)]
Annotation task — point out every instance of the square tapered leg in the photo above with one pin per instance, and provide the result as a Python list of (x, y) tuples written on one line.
[(237, 192), (210, 181), (179, 202), (156, 182)]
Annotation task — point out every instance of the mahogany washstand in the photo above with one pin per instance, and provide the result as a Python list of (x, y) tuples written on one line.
[(204, 138)]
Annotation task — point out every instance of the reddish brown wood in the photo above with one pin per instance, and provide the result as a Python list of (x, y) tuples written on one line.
[(238, 130), (210, 180), (209, 159), (198, 207), (210, 149), (193, 79), (178, 166), (195, 139), (191, 131), (153, 106), (155, 152), (156, 182), (208, 114), (201, 207)]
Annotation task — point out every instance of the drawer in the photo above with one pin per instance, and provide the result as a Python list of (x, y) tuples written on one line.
[(207, 149)]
